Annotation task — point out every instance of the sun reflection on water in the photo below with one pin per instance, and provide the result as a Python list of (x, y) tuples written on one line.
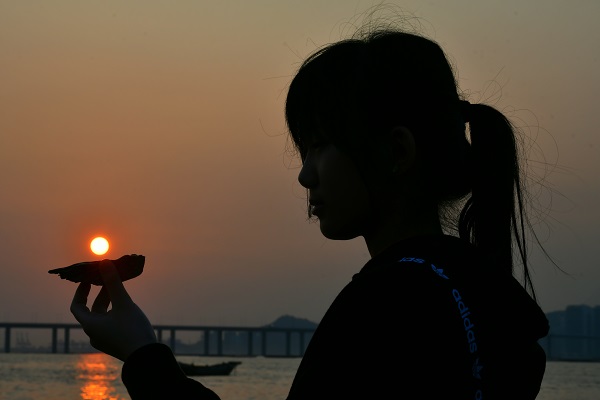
[(97, 373)]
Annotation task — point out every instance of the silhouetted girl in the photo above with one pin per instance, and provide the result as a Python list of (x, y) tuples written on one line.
[(436, 312)]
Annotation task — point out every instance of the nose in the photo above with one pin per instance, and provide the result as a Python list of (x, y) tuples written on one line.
[(307, 176)]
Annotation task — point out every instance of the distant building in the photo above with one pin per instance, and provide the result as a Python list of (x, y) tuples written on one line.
[(555, 344), (595, 332), (574, 334), (579, 326)]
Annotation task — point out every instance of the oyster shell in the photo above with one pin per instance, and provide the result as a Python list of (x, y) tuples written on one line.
[(129, 266)]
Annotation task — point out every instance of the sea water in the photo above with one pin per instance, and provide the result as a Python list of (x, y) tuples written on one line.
[(97, 377)]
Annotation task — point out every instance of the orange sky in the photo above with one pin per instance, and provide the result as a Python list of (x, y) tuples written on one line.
[(160, 125)]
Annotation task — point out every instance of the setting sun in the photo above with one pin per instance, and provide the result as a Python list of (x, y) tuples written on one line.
[(99, 246)]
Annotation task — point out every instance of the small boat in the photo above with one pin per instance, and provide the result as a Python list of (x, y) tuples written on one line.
[(224, 368)]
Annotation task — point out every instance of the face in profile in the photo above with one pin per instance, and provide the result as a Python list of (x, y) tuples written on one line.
[(337, 194)]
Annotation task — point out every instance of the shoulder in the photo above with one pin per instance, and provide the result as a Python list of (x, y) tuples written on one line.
[(434, 260), (413, 281), (420, 249)]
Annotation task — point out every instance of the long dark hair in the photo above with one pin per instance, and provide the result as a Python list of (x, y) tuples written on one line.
[(355, 90)]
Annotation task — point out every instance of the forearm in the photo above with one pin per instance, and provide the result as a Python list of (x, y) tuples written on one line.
[(152, 372)]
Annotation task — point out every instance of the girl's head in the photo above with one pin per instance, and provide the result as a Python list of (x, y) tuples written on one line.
[(357, 94)]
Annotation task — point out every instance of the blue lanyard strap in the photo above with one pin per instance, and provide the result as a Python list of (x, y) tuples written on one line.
[(462, 311)]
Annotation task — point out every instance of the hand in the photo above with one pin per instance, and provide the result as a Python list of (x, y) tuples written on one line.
[(122, 329)]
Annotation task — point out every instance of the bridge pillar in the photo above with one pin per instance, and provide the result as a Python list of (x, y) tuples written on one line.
[(288, 343), (54, 339), (206, 334), (67, 340), (219, 342), (264, 342), (7, 339), (250, 342), (172, 340)]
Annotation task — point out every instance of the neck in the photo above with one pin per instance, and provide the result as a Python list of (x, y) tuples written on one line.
[(391, 230)]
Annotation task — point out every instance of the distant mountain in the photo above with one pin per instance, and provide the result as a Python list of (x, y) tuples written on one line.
[(288, 321)]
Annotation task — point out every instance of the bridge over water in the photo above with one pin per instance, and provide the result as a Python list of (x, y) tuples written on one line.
[(257, 341), (214, 340)]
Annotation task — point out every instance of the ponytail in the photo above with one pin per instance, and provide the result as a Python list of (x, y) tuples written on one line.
[(493, 217)]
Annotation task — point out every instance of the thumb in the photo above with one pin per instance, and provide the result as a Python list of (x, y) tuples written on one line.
[(112, 282)]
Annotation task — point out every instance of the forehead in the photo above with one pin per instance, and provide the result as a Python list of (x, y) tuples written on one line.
[(309, 128)]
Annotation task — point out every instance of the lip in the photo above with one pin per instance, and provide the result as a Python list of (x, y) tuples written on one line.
[(315, 208)]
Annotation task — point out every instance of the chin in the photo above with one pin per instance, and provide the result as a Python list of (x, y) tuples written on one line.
[(336, 233)]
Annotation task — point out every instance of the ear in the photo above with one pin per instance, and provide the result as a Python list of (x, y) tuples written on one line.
[(403, 149)]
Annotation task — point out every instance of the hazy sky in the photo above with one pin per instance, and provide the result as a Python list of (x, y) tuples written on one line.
[(160, 125)]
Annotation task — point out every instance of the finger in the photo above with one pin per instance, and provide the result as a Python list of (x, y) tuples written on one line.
[(79, 303), (112, 282), (102, 301)]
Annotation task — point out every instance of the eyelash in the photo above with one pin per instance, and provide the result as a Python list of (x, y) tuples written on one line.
[(313, 147)]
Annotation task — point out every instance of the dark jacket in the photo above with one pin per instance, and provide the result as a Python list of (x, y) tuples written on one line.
[(428, 318)]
